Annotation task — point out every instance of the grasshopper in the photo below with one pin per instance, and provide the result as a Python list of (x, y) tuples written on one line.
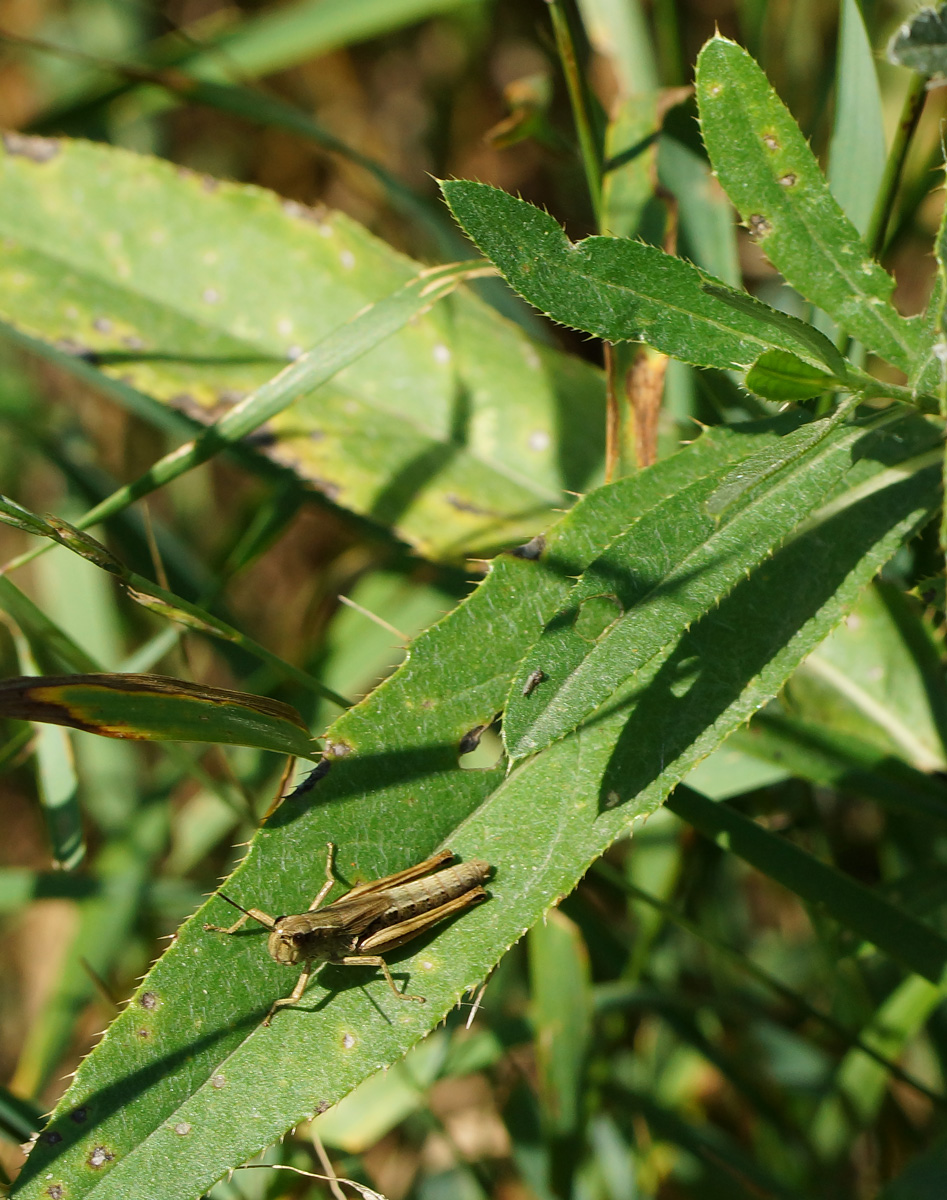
[(372, 917)]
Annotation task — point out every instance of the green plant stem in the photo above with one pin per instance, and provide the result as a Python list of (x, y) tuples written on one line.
[(910, 115), (578, 98), (668, 38)]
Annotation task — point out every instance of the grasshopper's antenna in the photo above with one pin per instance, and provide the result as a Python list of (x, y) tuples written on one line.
[(255, 913)]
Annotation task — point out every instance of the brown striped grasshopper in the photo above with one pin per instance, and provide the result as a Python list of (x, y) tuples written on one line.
[(369, 920)]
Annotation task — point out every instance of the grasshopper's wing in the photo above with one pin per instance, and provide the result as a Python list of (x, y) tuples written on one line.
[(392, 936), (387, 882)]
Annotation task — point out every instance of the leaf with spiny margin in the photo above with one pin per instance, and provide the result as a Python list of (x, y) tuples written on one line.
[(624, 290), (633, 606), (187, 1084), (767, 169)]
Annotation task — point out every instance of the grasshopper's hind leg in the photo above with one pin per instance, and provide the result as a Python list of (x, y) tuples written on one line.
[(375, 960)]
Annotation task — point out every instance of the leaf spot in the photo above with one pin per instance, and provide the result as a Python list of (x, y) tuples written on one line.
[(788, 180), (770, 141), (441, 353), (55, 1191), (100, 1156), (210, 295), (218, 1081), (759, 226), (182, 1129), (348, 1041), (347, 259), (294, 352), (539, 440), (79, 1115), (148, 1000)]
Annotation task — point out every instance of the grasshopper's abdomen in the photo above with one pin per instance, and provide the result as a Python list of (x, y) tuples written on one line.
[(423, 895)]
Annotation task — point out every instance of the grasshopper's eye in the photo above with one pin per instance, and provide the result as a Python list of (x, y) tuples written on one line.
[(276, 920)]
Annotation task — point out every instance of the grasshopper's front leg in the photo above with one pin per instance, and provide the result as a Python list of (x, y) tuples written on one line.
[(292, 998)]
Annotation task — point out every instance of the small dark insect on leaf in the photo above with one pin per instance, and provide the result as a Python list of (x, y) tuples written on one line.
[(356, 929), (533, 681)]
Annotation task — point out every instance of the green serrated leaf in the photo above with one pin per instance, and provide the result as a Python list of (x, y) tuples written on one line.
[(773, 179), (670, 568), (151, 1111), (616, 288), (857, 149)]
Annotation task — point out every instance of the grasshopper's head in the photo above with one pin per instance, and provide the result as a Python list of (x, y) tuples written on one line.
[(305, 938)]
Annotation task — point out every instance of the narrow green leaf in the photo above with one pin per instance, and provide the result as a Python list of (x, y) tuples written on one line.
[(704, 212), (50, 645), (861, 1083), (154, 708), (821, 349), (857, 149), (773, 179), (57, 784), (619, 32), (276, 38), (617, 288), (628, 179), (19, 1118), (247, 45), (150, 595), (561, 986), (778, 375), (159, 1093)]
